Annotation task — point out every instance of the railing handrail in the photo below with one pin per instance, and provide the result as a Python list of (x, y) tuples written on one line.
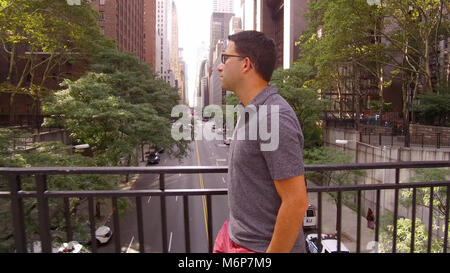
[(215, 169), (42, 194)]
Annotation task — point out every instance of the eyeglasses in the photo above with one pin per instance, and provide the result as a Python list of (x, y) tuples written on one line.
[(226, 56)]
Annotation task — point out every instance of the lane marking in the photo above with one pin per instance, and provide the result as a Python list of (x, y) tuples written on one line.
[(202, 186), (170, 241), (129, 246)]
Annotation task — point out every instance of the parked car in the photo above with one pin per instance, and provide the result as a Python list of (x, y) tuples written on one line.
[(310, 220), (227, 141), (153, 158), (71, 247), (328, 244), (103, 234)]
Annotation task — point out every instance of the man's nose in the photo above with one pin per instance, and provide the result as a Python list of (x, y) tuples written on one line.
[(220, 68)]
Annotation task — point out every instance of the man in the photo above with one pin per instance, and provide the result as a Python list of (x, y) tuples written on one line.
[(266, 188)]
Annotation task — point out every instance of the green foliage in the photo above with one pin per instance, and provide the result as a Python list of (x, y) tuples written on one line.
[(43, 155), (115, 109), (401, 35), (293, 86), (423, 194), (404, 234), (65, 33), (328, 156), (434, 108)]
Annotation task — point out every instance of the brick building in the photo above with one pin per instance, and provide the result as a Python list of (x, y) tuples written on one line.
[(123, 21)]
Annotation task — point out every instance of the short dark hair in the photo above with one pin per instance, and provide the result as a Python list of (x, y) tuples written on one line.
[(259, 48)]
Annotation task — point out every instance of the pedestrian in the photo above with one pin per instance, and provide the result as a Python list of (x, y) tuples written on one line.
[(370, 219), (267, 194)]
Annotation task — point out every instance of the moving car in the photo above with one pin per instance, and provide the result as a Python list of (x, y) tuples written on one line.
[(328, 244), (103, 234), (153, 158)]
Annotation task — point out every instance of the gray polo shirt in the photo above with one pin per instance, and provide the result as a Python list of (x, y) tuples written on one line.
[(252, 196)]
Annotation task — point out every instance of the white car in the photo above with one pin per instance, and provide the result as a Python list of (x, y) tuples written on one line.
[(328, 244), (227, 141), (71, 247), (310, 220), (103, 234)]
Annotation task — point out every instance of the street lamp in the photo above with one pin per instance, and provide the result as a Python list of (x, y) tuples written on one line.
[(81, 147)]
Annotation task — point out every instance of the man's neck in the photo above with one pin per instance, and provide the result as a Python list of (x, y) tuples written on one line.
[(247, 93)]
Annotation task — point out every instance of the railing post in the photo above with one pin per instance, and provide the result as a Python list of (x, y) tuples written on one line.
[(339, 221), (413, 220), (116, 225), (92, 224), (394, 237), (210, 231), (18, 220), (69, 231), (358, 224), (446, 220), (43, 213), (377, 218), (319, 218), (163, 213), (140, 223), (430, 220), (187, 233)]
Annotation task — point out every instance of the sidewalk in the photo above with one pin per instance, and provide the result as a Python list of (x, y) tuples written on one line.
[(349, 222)]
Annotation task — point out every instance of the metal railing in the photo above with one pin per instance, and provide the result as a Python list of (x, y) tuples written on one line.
[(16, 196)]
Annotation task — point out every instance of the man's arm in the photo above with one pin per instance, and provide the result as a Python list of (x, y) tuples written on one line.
[(294, 203)]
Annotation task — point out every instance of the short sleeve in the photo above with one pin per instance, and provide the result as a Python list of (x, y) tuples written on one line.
[(286, 161)]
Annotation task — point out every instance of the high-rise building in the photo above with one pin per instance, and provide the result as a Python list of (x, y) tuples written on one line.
[(123, 21), (220, 23), (176, 55), (225, 6), (220, 29), (163, 28), (282, 20), (150, 32)]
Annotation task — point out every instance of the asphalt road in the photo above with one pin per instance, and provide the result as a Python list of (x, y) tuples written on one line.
[(204, 153)]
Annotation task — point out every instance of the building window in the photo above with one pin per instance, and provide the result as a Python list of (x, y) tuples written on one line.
[(102, 2), (102, 16)]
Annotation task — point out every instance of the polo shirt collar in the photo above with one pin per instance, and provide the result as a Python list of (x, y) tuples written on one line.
[(263, 95)]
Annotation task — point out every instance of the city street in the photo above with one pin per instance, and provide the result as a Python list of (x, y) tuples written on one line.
[(203, 153)]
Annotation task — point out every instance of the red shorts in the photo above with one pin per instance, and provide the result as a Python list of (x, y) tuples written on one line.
[(224, 244)]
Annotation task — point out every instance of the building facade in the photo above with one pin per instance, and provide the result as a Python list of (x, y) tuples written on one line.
[(150, 33), (123, 21), (282, 20)]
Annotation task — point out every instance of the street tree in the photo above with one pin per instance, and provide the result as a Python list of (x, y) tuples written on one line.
[(116, 109), (38, 36), (293, 86)]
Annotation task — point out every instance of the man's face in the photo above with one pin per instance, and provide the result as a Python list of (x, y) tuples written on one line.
[(230, 71)]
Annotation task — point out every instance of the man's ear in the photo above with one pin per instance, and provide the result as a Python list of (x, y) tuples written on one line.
[(247, 65)]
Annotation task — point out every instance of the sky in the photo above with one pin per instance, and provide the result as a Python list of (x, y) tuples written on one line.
[(193, 34)]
